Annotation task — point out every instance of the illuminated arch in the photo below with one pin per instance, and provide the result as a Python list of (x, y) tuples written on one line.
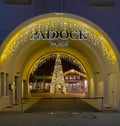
[(46, 58), (21, 35), (98, 53)]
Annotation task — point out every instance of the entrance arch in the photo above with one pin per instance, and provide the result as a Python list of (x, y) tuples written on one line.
[(61, 33)]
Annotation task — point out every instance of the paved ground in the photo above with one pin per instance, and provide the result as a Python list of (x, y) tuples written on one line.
[(38, 93), (60, 119), (47, 102), (61, 104), (14, 117)]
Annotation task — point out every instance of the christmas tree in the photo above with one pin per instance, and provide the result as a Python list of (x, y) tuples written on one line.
[(58, 77)]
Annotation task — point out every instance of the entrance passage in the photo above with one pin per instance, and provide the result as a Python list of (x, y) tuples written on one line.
[(61, 104), (58, 73), (70, 102)]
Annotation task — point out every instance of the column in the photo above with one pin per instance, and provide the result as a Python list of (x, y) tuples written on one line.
[(117, 92), (17, 93), (115, 100), (105, 91), (95, 89), (11, 92), (88, 89), (96, 74), (109, 90), (29, 91), (2, 84), (100, 88), (91, 87), (25, 88), (7, 84)]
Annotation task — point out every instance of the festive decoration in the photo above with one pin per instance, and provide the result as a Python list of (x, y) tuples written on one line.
[(22, 38), (58, 77), (66, 57)]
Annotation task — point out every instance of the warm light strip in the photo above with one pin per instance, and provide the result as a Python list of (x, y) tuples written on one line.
[(22, 37)]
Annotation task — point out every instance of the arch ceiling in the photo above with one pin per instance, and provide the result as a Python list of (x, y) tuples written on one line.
[(95, 47)]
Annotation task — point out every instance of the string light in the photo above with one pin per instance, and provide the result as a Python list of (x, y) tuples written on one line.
[(22, 38), (66, 57)]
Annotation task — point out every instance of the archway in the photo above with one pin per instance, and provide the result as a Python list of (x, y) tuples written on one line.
[(64, 33), (47, 73)]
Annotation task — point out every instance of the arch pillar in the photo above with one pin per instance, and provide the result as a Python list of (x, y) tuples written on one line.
[(110, 90), (3, 84), (91, 87), (12, 90), (15, 91), (26, 90), (100, 88), (117, 90), (98, 85), (88, 89), (95, 83)]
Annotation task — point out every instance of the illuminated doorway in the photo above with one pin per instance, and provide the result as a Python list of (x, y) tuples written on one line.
[(74, 36), (41, 77)]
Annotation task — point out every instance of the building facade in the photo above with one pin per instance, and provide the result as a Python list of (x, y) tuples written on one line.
[(75, 81), (83, 32)]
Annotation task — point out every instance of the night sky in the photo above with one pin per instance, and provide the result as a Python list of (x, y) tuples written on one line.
[(48, 67)]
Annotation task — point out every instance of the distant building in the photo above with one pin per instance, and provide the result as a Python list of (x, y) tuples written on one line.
[(75, 81)]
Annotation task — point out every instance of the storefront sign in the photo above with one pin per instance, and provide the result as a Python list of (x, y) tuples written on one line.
[(58, 38)]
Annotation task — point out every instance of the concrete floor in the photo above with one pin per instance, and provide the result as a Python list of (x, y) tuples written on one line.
[(60, 119), (12, 116), (61, 104)]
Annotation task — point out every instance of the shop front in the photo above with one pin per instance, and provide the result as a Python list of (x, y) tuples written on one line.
[(65, 35)]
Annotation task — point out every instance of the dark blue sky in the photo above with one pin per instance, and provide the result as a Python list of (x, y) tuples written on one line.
[(108, 18)]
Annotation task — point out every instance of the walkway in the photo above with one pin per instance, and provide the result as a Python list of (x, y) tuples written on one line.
[(13, 116), (46, 102), (60, 119), (70, 102), (61, 104)]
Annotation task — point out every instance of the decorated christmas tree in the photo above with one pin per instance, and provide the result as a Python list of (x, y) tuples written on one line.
[(58, 77)]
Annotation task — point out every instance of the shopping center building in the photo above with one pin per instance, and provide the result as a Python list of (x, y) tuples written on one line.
[(84, 32)]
